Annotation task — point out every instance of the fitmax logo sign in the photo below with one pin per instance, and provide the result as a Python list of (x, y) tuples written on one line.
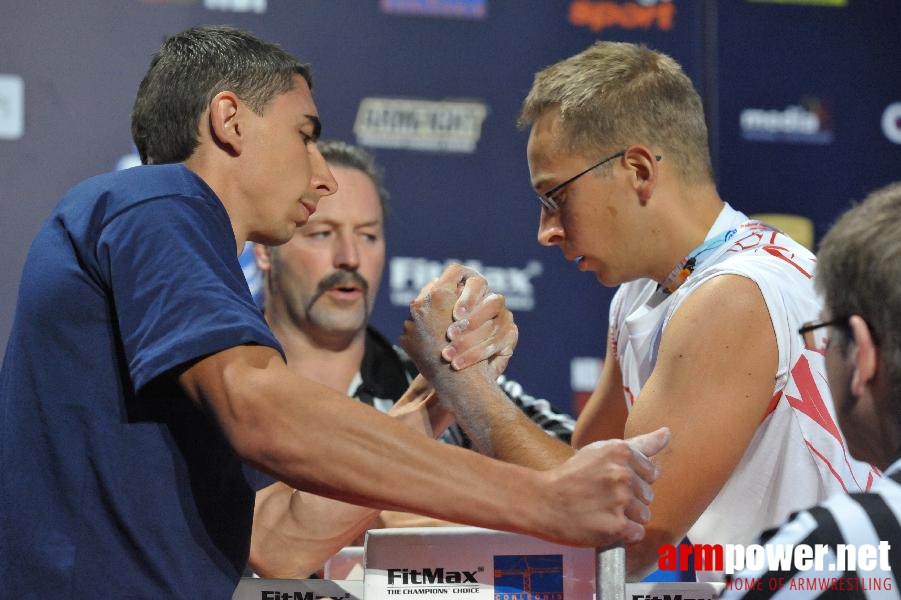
[(276, 595), (437, 576), (408, 274)]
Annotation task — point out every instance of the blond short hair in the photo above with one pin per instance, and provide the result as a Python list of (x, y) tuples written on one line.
[(615, 94)]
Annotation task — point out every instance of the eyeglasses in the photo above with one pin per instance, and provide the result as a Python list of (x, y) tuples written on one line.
[(547, 198), (806, 331)]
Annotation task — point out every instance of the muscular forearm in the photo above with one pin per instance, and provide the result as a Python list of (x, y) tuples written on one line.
[(317, 440), (295, 532), (497, 427), (314, 439)]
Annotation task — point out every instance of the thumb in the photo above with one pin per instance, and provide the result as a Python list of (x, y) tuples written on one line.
[(651, 443)]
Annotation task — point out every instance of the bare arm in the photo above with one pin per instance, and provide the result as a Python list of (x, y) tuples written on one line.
[(713, 381), (500, 429), (295, 532), (604, 415), (315, 439), (495, 425)]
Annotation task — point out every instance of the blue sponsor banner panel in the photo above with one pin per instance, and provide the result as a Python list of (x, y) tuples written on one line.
[(528, 577), (803, 100), (808, 95)]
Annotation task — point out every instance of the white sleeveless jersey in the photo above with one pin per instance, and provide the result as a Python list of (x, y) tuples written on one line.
[(797, 456)]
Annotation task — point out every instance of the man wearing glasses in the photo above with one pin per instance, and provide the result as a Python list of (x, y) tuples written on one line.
[(703, 328), (860, 337)]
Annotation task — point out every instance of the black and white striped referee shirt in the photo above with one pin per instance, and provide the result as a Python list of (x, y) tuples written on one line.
[(842, 521)]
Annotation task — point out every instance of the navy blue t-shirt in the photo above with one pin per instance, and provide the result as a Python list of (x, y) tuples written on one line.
[(112, 483)]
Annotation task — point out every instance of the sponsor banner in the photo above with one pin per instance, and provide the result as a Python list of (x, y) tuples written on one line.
[(127, 161), (241, 6), (469, 562), (12, 107), (891, 122), (804, 2), (640, 14), (584, 372), (807, 123), (523, 577), (459, 9), (408, 274), (432, 125), (251, 588)]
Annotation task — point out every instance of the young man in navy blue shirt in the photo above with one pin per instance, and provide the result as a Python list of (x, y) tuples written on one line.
[(140, 378)]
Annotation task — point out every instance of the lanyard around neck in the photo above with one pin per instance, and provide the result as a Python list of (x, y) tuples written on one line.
[(687, 265)]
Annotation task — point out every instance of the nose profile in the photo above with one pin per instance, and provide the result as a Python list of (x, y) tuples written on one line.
[(550, 232), (322, 181)]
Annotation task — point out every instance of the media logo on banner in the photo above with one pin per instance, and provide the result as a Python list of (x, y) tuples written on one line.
[(639, 14), (458, 9), (408, 274), (891, 122), (528, 577), (12, 107), (434, 125), (805, 123)]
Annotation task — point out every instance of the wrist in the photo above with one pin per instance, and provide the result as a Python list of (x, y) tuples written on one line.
[(448, 375), (539, 517), (456, 386)]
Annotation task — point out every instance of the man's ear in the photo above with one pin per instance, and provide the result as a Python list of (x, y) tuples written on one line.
[(225, 122), (642, 164), (263, 256), (865, 356)]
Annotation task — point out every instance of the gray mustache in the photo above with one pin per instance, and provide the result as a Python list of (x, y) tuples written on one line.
[(342, 278)]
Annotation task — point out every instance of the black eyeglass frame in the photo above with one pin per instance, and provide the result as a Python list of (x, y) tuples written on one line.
[(843, 322), (547, 198), (814, 325)]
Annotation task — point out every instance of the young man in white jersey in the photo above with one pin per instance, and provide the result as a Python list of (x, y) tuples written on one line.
[(703, 328)]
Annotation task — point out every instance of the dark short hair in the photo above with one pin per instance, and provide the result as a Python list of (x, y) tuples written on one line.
[(338, 153), (189, 69), (859, 272)]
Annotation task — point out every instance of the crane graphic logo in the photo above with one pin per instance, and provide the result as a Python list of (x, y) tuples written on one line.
[(528, 577)]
